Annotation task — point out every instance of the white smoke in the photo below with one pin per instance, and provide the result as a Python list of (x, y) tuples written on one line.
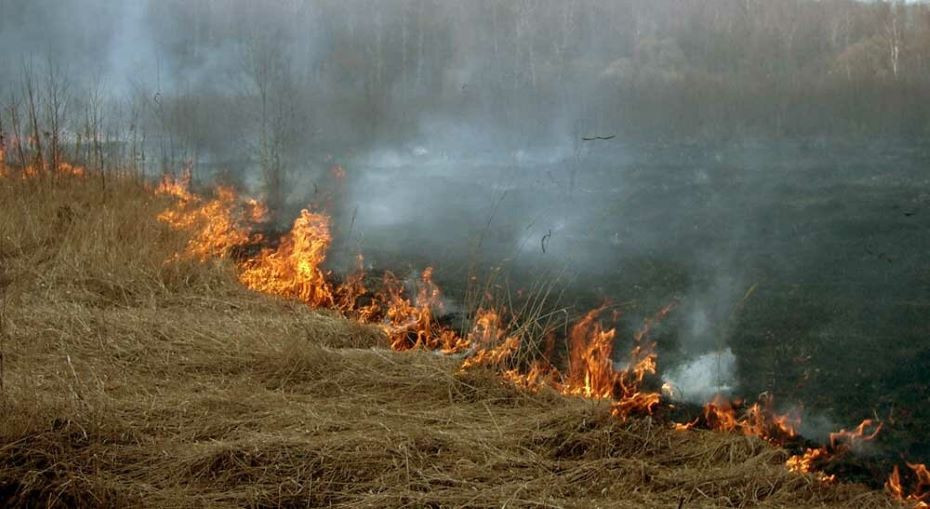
[(133, 56), (700, 379)]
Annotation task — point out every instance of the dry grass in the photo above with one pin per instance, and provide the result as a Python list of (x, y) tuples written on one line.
[(129, 381)]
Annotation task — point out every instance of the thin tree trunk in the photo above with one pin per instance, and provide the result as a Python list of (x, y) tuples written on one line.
[(36, 141)]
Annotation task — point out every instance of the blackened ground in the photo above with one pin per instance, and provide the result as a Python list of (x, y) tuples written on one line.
[(832, 238)]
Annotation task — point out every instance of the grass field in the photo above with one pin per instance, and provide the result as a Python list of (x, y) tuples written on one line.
[(130, 378)]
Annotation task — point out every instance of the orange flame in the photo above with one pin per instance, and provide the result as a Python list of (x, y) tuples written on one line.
[(494, 356), (257, 211), (840, 442), (292, 270), (347, 295), (807, 462), (590, 369), (856, 436), (493, 345), (36, 169), (412, 324), (540, 374), (178, 187), (920, 496), (218, 224), (591, 372), (759, 419), (65, 168), (685, 426)]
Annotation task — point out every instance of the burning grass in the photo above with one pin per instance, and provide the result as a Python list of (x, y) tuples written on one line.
[(133, 377)]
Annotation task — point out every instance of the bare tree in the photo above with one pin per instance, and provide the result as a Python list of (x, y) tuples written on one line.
[(93, 122), (56, 103), (17, 131), (272, 80), (30, 89)]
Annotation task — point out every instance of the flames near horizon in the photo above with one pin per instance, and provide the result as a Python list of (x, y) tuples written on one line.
[(224, 225)]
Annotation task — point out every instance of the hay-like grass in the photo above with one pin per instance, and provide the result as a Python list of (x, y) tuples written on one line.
[(129, 381)]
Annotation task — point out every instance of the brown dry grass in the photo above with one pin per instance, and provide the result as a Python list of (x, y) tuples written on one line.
[(129, 381)]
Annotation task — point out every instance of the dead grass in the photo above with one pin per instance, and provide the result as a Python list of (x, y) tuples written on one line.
[(134, 382)]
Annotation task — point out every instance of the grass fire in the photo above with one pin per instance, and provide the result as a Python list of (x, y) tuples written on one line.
[(431, 253), (137, 339)]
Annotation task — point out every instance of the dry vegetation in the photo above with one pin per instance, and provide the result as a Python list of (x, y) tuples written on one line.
[(132, 381)]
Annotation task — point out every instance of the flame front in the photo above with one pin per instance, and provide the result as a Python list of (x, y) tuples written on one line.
[(36, 169), (293, 269)]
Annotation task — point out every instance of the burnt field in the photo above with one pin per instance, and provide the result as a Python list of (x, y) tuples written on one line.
[(830, 241)]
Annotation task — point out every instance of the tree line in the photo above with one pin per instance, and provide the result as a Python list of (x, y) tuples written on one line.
[(281, 84)]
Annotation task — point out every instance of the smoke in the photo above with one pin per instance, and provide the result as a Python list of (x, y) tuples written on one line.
[(709, 366), (698, 380), (133, 57)]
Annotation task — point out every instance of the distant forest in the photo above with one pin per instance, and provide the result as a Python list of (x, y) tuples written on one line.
[(215, 78)]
